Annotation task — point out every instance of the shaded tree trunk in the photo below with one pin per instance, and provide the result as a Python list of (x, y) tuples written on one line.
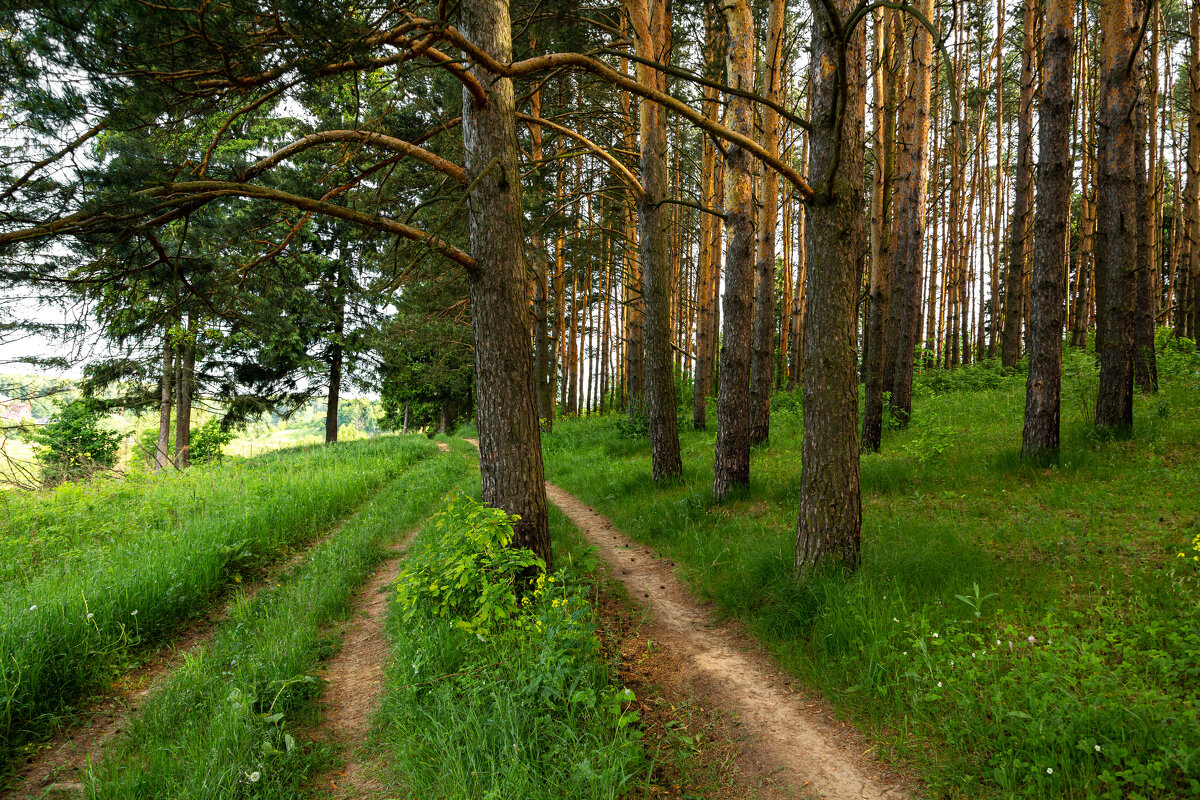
[(183, 401), (510, 452), (1117, 264), (731, 467), (875, 348), (912, 179), (1043, 389), (828, 529), (162, 451), (1018, 249), (1145, 367), (762, 366), (651, 21)]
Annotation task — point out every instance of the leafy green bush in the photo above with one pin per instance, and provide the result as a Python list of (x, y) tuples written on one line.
[(208, 440), (466, 571), (528, 710), (72, 445)]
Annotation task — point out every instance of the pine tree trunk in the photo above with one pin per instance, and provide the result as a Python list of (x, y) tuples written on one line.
[(510, 452), (828, 529), (162, 452), (731, 467), (1018, 249), (875, 347), (1043, 389), (652, 34), (762, 366), (1117, 265), (183, 402), (1145, 367), (912, 179)]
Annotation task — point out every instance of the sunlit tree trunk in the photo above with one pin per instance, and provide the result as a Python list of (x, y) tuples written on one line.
[(912, 178), (183, 400)]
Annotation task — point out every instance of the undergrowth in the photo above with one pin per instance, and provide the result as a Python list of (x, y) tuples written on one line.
[(497, 687), (1013, 631)]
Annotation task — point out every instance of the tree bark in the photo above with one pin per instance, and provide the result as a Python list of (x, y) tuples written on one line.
[(1039, 441), (912, 179), (762, 366), (828, 529), (183, 402), (1145, 367), (510, 452), (651, 22), (1117, 217), (1018, 249), (875, 347), (162, 452), (731, 467), (336, 355)]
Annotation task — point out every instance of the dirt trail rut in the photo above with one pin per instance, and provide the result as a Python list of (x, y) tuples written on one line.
[(354, 680), (791, 740)]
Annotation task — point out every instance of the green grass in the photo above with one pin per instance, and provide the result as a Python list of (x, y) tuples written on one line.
[(226, 723), (528, 708), (121, 564), (1083, 557)]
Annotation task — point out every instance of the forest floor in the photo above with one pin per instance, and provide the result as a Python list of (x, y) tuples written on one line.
[(1013, 631), (789, 744)]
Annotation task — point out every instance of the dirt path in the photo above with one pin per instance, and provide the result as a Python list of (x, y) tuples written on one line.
[(354, 680), (791, 740)]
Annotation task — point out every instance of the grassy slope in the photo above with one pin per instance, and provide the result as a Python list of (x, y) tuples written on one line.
[(1082, 557), (223, 725), (117, 565)]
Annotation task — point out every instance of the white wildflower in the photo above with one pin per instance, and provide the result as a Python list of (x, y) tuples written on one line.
[(1049, 770), (254, 776)]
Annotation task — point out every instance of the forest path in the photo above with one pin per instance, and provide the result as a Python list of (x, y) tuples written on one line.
[(790, 738), (354, 680)]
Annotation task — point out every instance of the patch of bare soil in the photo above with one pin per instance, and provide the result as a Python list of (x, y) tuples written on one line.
[(788, 741), (354, 680)]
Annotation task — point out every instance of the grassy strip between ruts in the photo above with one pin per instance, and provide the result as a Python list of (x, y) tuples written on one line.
[(65, 631), (224, 724), (1012, 632), (496, 692)]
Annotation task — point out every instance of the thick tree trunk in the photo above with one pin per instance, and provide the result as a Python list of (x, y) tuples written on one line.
[(828, 529), (1188, 299), (1018, 249), (912, 179), (1117, 264), (731, 467), (652, 34), (762, 366), (510, 451), (1039, 441), (875, 348), (162, 451)]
